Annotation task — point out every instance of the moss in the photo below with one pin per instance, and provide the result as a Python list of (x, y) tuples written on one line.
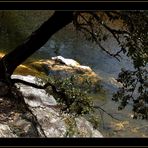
[(26, 70)]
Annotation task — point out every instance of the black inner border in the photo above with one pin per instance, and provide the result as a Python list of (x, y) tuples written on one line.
[(73, 5)]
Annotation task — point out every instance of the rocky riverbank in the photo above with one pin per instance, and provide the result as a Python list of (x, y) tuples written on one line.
[(47, 120)]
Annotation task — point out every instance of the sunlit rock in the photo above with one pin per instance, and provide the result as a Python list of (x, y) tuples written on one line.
[(68, 62), (62, 68), (85, 67)]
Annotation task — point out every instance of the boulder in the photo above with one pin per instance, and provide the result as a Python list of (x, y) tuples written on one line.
[(61, 67), (53, 122)]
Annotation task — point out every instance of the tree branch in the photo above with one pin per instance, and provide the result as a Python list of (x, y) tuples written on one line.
[(88, 27), (98, 107)]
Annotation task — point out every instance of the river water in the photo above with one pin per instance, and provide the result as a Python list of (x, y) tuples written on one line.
[(69, 44)]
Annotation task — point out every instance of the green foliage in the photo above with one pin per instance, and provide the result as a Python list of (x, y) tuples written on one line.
[(94, 120), (74, 99), (130, 30), (135, 82), (135, 90), (71, 126)]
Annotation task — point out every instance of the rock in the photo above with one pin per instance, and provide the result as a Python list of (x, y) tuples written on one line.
[(35, 97), (45, 107), (23, 128), (52, 121), (59, 67), (68, 62), (6, 132), (55, 124), (86, 129), (54, 69), (85, 68), (62, 69)]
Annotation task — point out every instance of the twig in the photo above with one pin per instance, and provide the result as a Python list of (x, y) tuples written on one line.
[(102, 118), (98, 107)]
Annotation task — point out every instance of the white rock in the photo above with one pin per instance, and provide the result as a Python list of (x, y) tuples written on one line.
[(5, 131), (68, 62), (39, 96)]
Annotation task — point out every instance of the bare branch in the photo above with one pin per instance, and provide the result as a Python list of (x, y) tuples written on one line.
[(98, 43), (89, 28), (98, 107)]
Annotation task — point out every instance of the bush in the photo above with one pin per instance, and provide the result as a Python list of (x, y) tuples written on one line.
[(74, 99)]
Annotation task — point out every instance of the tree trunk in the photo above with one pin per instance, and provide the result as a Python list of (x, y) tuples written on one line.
[(34, 42)]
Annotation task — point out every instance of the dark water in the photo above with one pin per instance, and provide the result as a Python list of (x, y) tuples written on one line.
[(69, 44)]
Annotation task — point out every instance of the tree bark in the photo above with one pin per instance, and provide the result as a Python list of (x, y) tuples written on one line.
[(34, 42)]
